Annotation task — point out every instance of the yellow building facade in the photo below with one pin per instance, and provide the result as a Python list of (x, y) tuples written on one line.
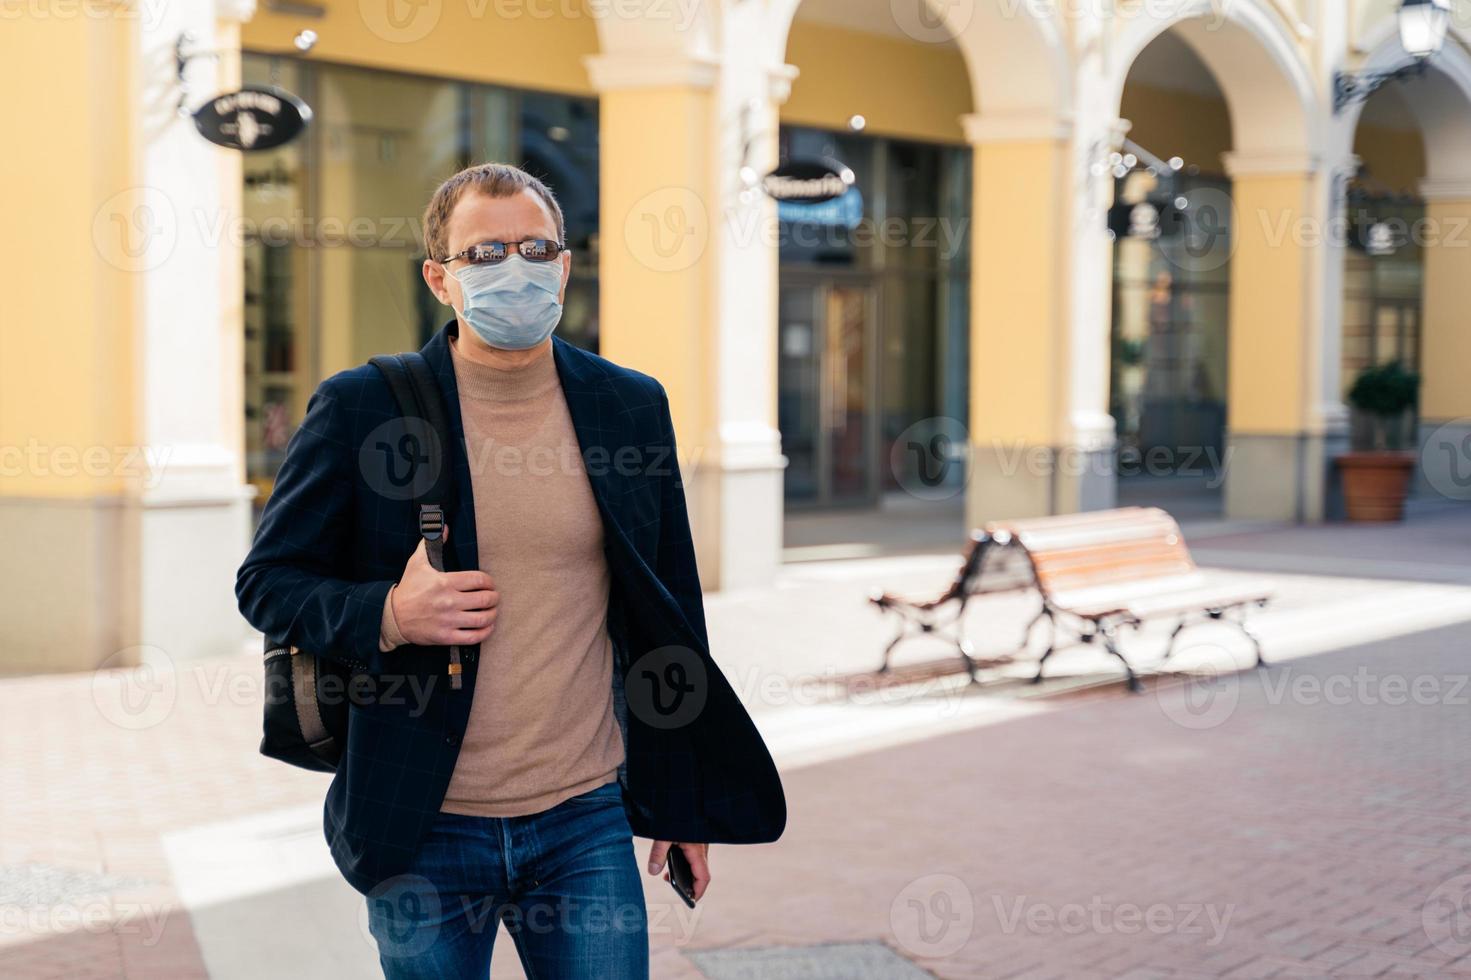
[(968, 333)]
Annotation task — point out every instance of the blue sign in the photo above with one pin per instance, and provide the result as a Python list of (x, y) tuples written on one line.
[(844, 211)]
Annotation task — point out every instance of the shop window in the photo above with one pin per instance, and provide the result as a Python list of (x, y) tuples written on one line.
[(1383, 272), (874, 314), (1170, 331), (280, 358)]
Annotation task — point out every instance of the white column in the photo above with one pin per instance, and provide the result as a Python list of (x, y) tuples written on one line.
[(688, 279), (1090, 428), (196, 512), (741, 479)]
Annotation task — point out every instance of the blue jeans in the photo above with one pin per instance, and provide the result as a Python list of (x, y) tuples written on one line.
[(564, 882)]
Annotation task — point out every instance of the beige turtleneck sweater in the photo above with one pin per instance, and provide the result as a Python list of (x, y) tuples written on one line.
[(542, 728)]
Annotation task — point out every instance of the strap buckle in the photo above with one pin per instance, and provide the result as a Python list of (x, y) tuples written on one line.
[(431, 522)]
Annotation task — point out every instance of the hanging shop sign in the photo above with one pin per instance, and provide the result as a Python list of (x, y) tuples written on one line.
[(1147, 219), (808, 181), (257, 117), (1379, 239), (1381, 224)]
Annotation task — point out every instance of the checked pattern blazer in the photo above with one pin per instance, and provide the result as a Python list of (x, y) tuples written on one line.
[(334, 537)]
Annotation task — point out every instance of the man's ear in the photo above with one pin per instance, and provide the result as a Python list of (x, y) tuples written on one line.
[(434, 278)]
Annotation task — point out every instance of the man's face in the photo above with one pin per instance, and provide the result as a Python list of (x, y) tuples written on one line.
[(480, 218)]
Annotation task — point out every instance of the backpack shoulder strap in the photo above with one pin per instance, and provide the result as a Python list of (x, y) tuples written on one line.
[(417, 393), (413, 385), (431, 403), (412, 382)]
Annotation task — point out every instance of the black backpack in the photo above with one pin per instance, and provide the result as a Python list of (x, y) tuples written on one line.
[(306, 696)]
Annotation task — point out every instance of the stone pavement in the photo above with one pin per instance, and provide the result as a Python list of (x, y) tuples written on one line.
[(1307, 820), (1296, 823)]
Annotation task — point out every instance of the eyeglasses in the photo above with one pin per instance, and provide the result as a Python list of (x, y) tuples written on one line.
[(494, 253)]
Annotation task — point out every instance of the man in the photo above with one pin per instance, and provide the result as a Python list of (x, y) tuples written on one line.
[(589, 709)]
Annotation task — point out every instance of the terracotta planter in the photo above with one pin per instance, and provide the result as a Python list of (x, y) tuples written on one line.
[(1374, 484)]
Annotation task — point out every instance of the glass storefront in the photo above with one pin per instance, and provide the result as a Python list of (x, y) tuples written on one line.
[(1169, 344), (873, 315), (333, 234), (1383, 275)]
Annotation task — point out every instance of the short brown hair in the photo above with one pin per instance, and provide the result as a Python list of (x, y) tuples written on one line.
[(492, 180)]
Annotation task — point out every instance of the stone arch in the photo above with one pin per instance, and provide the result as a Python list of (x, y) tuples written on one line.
[(1254, 58), (1440, 102), (1003, 43)]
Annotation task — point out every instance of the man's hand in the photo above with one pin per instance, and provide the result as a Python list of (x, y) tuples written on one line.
[(439, 609), (699, 858)]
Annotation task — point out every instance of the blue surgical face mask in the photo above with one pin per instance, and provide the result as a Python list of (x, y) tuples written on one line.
[(513, 304)]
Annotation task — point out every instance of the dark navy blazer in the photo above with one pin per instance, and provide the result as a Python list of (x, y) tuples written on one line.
[(331, 542)]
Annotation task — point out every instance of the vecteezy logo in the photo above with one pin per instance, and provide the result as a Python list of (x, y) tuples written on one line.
[(667, 230), (1446, 916), (931, 458), (1205, 699), (933, 916), (400, 459), (674, 681), (136, 688), (1205, 242), (402, 915), (1445, 459), (1210, 692), (400, 21), (932, 21), (407, 450), (135, 230), (667, 687)]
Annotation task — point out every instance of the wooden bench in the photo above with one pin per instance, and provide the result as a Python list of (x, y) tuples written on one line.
[(1096, 572), (987, 567), (1100, 571)]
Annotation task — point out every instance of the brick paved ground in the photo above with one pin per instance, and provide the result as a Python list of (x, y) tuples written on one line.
[(1318, 832), (1308, 821)]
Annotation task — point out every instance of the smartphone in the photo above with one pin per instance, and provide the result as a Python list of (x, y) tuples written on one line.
[(681, 876)]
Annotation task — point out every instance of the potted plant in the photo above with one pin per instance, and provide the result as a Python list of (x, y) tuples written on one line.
[(1376, 474)]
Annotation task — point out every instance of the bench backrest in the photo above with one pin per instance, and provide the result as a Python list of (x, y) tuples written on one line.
[(1074, 551), (987, 568)]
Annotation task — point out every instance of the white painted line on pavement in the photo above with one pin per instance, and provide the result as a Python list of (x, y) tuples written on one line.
[(221, 862), (813, 734)]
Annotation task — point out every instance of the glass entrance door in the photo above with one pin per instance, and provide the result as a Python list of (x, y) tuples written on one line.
[(827, 384)]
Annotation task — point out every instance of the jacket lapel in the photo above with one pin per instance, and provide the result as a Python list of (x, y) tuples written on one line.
[(594, 413)]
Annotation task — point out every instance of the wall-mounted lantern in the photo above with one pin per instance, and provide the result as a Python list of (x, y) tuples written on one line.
[(1422, 27)]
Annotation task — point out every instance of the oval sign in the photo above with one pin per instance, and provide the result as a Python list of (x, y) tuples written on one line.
[(810, 181), (255, 118)]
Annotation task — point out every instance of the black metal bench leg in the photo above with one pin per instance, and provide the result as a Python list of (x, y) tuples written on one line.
[(888, 650), (1051, 639), (1170, 646), (1027, 633), (1051, 648), (1135, 684)]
